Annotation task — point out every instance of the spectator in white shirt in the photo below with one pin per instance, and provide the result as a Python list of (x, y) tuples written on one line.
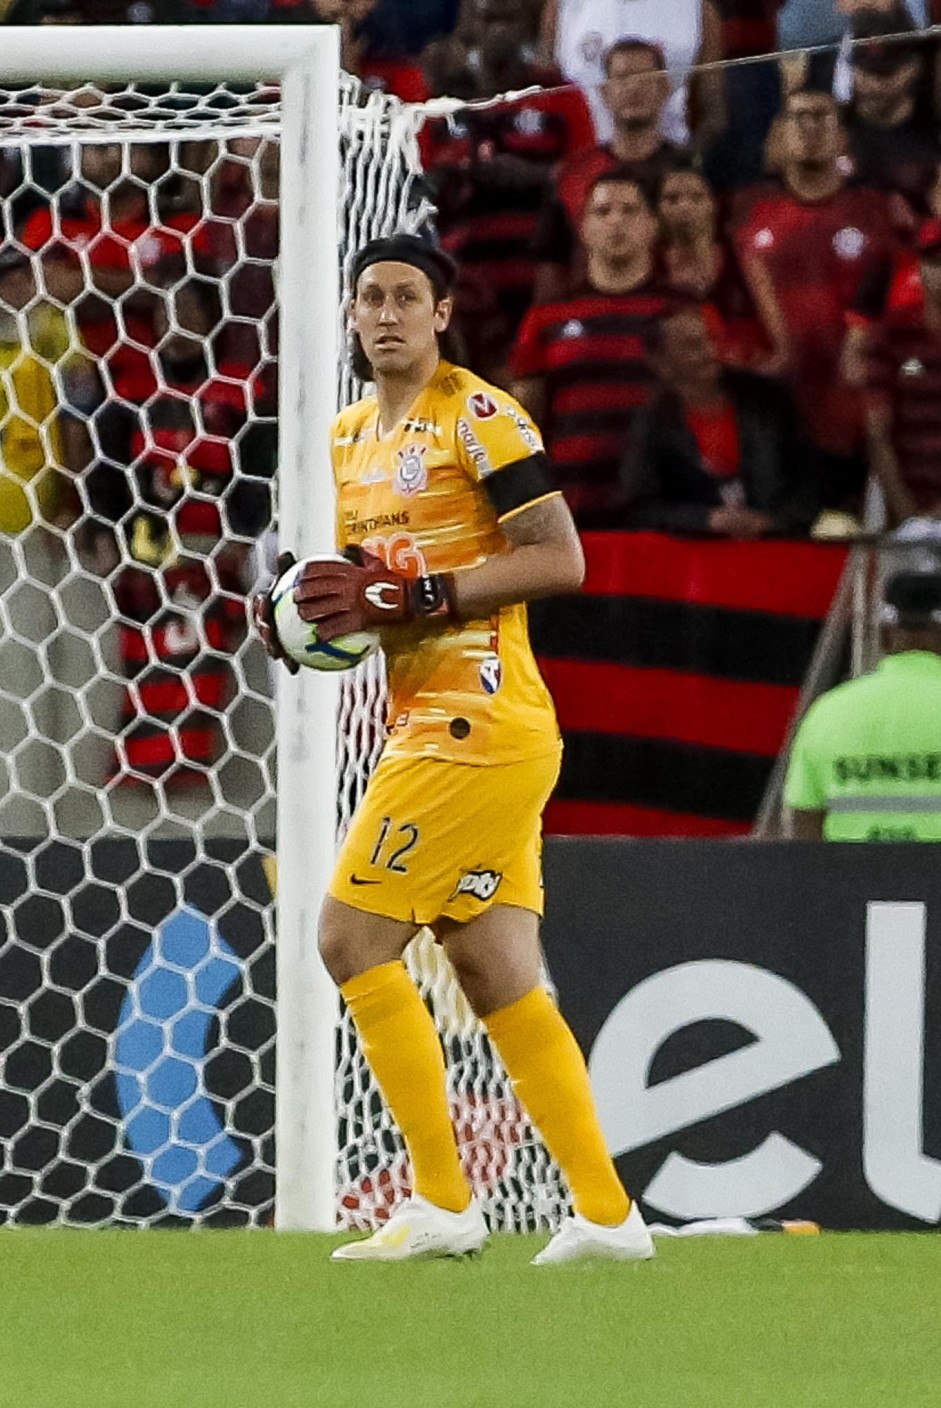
[(578, 33)]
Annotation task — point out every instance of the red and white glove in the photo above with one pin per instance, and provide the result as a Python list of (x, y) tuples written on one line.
[(361, 596)]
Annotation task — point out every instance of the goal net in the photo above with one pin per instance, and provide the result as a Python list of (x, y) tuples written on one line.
[(139, 486)]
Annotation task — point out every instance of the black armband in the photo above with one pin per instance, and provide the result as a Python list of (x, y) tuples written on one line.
[(518, 484)]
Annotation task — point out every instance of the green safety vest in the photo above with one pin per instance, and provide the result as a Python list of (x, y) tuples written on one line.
[(868, 753)]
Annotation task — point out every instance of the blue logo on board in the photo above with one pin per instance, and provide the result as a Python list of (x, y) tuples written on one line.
[(160, 1057)]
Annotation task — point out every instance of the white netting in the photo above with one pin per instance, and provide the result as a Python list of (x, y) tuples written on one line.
[(138, 446)]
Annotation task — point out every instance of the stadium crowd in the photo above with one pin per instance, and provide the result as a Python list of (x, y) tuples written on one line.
[(715, 285)]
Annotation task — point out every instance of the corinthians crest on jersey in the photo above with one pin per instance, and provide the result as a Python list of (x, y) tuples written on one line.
[(411, 472)]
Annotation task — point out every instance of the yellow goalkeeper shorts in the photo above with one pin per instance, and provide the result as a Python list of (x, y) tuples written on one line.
[(435, 839)]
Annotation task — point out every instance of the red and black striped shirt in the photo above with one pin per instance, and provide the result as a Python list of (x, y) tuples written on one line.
[(487, 220), (178, 627), (184, 450), (904, 375), (118, 340), (590, 351)]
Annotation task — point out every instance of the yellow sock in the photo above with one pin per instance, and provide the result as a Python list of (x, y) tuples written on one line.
[(550, 1077), (401, 1044)]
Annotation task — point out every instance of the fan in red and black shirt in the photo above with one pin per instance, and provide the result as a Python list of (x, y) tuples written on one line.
[(891, 286), (696, 261), (903, 394), (108, 223), (805, 250), (636, 92), (184, 605), (104, 254), (180, 623), (241, 241), (188, 447), (490, 169), (581, 364), (890, 122)]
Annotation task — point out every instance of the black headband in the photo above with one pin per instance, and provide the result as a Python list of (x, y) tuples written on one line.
[(408, 249)]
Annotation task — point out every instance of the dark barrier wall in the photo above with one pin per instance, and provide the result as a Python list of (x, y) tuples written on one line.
[(675, 674), (763, 1023)]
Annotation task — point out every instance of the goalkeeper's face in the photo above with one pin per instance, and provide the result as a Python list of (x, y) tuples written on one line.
[(398, 317)]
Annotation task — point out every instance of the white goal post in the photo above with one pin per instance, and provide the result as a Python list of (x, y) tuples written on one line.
[(306, 63)]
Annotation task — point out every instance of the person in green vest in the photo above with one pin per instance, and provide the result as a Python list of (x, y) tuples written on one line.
[(865, 764)]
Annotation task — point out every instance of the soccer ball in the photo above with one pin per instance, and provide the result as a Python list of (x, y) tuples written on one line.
[(299, 638)]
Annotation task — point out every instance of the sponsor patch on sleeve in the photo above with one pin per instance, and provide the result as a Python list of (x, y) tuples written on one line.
[(474, 448), (528, 432), (482, 406)]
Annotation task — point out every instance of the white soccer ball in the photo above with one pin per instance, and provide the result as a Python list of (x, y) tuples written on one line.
[(299, 638)]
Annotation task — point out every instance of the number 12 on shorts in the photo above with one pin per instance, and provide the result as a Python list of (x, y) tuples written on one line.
[(393, 845)]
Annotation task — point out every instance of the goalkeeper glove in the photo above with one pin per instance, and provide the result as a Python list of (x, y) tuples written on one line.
[(341, 597), (263, 612)]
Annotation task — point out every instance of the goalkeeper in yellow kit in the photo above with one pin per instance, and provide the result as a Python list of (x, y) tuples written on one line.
[(445, 506)]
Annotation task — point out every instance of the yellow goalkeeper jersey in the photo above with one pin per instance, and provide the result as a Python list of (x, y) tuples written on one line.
[(429, 496)]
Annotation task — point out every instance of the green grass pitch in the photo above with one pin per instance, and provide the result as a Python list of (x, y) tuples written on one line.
[(265, 1320)]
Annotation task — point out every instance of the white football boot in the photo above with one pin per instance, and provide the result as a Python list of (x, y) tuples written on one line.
[(418, 1229), (580, 1240)]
